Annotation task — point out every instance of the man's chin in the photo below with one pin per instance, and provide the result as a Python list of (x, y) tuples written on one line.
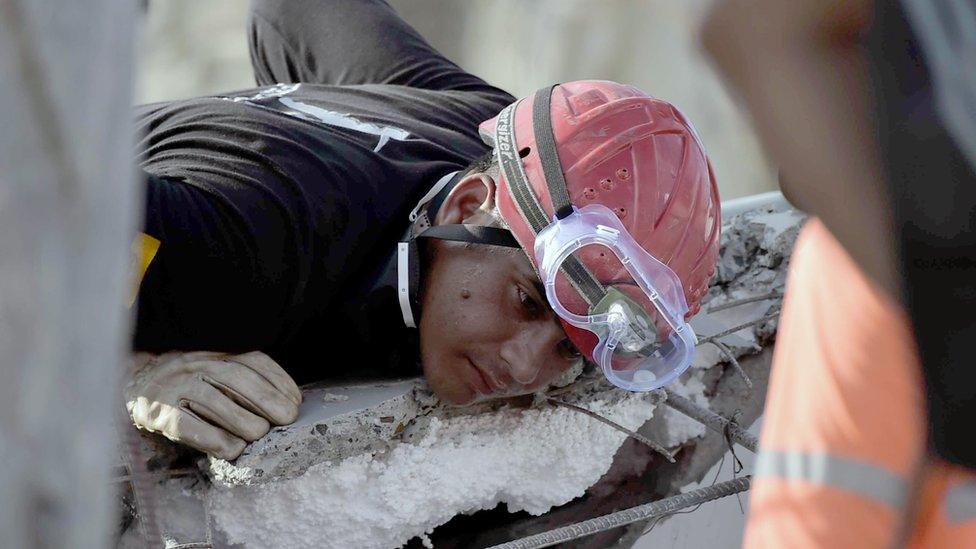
[(455, 396)]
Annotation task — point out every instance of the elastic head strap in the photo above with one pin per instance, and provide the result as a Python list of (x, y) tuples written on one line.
[(545, 141), (408, 260), (510, 162), (475, 234)]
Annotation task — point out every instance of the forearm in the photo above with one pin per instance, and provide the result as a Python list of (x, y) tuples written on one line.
[(800, 70)]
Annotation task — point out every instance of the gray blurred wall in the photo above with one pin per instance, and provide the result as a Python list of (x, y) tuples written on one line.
[(196, 47)]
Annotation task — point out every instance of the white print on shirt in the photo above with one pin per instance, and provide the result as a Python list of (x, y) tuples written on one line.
[(318, 114), (332, 118), (277, 90)]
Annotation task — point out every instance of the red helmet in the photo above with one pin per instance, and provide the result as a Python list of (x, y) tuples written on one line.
[(634, 154)]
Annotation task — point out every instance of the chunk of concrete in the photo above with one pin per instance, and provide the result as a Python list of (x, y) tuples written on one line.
[(333, 423)]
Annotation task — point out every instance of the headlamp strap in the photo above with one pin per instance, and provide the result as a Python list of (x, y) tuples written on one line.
[(510, 162), (475, 234), (548, 155)]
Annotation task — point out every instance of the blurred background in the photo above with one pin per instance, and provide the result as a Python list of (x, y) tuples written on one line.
[(199, 47)]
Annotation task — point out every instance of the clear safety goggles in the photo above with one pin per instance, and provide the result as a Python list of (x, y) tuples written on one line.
[(638, 317)]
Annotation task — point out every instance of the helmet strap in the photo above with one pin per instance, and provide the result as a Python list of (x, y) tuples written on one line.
[(548, 155), (510, 162)]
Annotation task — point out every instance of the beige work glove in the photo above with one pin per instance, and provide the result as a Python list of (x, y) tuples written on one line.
[(213, 402)]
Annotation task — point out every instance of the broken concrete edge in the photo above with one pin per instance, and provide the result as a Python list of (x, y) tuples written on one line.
[(706, 451), (651, 477), (761, 269), (338, 422)]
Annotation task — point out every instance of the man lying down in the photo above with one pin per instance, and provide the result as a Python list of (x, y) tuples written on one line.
[(371, 209)]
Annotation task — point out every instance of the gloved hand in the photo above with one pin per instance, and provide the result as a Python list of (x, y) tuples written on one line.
[(213, 402)]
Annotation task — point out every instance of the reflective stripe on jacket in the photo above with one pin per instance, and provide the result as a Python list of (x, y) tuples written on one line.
[(844, 425)]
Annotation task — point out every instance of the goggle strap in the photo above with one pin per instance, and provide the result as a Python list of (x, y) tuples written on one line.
[(510, 163), (545, 141), (528, 204)]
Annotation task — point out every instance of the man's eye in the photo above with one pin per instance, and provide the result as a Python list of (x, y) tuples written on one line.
[(530, 305), (568, 350)]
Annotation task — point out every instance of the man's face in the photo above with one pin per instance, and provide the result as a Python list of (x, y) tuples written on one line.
[(486, 329)]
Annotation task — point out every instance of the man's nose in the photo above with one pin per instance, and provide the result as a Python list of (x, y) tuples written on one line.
[(529, 350)]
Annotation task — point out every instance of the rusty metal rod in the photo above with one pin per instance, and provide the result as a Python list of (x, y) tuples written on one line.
[(735, 329), (735, 363), (627, 516), (712, 420), (772, 294)]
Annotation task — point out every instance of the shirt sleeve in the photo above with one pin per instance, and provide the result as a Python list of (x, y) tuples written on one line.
[(348, 42), (217, 281)]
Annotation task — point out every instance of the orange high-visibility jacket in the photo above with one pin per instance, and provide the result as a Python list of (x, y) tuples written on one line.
[(844, 426)]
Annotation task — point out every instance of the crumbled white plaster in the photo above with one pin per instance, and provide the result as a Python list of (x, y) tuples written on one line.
[(531, 460)]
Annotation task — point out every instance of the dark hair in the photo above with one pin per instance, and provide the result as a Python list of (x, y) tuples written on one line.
[(484, 163)]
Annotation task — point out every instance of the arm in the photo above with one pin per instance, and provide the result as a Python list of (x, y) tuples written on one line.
[(800, 69), (203, 290), (221, 277)]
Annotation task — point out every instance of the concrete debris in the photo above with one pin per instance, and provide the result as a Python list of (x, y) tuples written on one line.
[(333, 423), (530, 459), (376, 464)]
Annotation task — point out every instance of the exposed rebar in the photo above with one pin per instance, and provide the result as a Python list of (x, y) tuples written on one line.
[(576, 385), (735, 363), (712, 420), (772, 294), (632, 434), (161, 475), (735, 329), (627, 516)]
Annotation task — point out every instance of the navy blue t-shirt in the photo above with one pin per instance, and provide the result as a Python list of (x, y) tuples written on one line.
[(278, 207)]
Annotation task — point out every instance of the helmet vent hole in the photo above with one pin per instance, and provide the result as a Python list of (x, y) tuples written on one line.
[(606, 184), (589, 193), (621, 213), (623, 173), (524, 151)]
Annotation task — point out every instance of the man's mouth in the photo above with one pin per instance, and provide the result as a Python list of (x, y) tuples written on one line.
[(487, 380)]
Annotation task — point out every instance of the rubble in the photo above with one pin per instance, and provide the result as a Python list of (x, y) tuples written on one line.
[(374, 465), (333, 423), (530, 459)]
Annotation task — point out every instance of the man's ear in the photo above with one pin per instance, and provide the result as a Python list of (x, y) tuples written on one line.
[(474, 194)]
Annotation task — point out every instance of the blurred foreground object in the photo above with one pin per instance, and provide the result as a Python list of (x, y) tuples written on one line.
[(843, 431), (66, 213), (816, 118), (800, 69), (923, 60)]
